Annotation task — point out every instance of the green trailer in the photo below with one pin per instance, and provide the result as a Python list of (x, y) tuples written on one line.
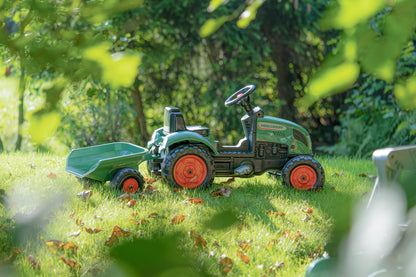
[(115, 162)]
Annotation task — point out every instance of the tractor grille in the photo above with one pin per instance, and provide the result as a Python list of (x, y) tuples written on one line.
[(300, 137)]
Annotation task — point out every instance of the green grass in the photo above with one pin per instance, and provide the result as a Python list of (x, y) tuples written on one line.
[(38, 205)]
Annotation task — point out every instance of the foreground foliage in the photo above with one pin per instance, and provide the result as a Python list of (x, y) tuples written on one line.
[(240, 227)]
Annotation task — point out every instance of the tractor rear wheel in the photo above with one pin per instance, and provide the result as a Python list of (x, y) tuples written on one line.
[(128, 179), (303, 173), (188, 167)]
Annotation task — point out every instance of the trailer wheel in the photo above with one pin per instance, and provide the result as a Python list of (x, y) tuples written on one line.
[(303, 173), (128, 179), (188, 167)]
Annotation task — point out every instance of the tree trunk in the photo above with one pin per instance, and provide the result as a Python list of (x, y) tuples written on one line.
[(140, 118), (1, 146), (22, 87)]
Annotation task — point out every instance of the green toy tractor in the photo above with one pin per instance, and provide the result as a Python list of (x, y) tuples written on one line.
[(189, 156)]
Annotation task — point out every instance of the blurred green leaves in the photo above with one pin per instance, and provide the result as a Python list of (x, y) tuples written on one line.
[(118, 69), (405, 93), (212, 25), (374, 34)]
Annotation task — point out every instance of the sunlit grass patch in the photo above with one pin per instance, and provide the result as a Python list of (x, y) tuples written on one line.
[(261, 228)]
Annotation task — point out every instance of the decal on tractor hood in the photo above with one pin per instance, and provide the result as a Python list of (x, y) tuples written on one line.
[(270, 126)]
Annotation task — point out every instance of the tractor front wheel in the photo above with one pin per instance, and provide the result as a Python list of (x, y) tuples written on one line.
[(303, 173), (188, 167), (128, 179)]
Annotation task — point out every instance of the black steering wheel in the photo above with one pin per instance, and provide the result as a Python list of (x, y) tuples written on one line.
[(240, 95)]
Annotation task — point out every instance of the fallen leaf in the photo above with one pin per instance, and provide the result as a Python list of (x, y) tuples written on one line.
[(245, 246), (306, 218), (240, 227), (53, 245), (52, 176), (156, 215), (149, 180), (286, 232), (69, 246), (124, 197), (225, 264), (12, 256), (148, 191), (298, 235), (272, 243), (199, 242), (216, 244), (93, 230), (135, 214), (243, 256), (98, 217), (363, 175), (120, 232), (71, 263), (308, 211), (141, 222), (72, 214), (338, 174), (276, 266), (112, 239), (223, 191), (33, 262), (275, 213), (131, 203), (79, 222), (177, 190), (75, 234), (177, 219), (194, 201), (229, 181), (84, 195)]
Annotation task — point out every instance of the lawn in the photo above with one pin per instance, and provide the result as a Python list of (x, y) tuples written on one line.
[(260, 228)]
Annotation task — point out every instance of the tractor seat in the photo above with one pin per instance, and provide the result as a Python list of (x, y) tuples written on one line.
[(174, 122)]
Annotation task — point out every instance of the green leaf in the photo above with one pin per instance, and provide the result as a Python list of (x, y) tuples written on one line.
[(346, 14), (212, 25), (214, 4), (405, 93), (401, 126), (329, 80), (118, 69), (249, 14), (43, 124)]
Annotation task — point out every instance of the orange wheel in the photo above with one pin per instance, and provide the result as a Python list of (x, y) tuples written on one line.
[(303, 177), (128, 179), (303, 173), (190, 171), (130, 185), (189, 167)]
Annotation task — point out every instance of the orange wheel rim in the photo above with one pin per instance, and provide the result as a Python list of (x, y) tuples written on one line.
[(190, 171), (303, 177), (130, 185)]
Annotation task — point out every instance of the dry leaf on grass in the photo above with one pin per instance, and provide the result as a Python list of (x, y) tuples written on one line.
[(275, 213), (276, 266), (225, 264), (194, 201), (52, 176), (131, 203), (141, 222), (79, 222), (124, 197), (245, 246), (156, 215), (149, 180), (71, 263), (12, 256), (177, 219), (33, 262), (93, 230), (75, 234), (243, 256), (199, 242), (118, 232), (84, 195), (223, 191), (308, 211)]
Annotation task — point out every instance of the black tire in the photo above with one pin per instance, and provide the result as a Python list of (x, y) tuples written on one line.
[(128, 179), (303, 173), (189, 167)]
